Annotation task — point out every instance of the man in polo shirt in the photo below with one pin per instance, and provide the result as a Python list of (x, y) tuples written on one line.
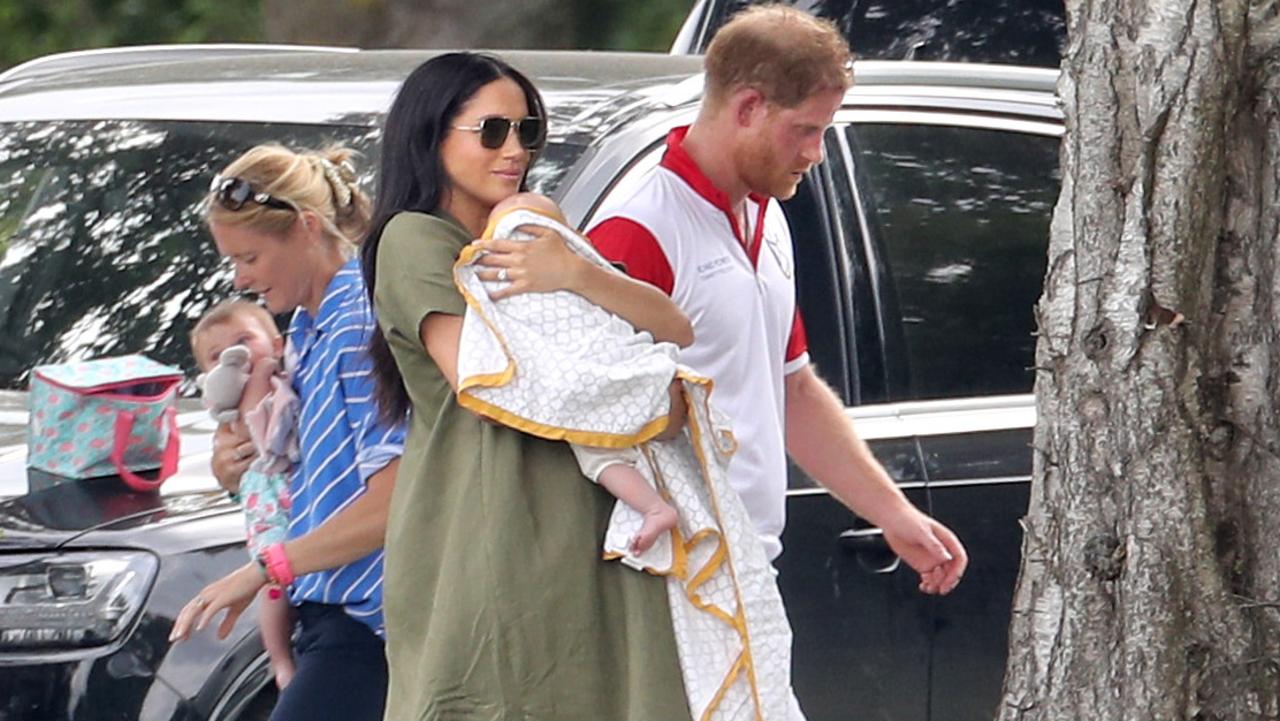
[(704, 227)]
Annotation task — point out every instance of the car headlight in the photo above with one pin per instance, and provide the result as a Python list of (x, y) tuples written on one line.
[(71, 600)]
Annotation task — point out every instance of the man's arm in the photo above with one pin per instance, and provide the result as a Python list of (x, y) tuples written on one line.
[(822, 440)]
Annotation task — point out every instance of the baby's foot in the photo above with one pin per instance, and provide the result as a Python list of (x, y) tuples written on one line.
[(284, 671), (657, 520)]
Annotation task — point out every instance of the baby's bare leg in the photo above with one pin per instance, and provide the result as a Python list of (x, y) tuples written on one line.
[(275, 623), (627, 485)]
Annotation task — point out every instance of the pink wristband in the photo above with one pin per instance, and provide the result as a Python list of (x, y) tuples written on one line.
[(277, 565)]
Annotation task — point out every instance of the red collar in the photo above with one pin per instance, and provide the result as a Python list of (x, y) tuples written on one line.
[(677, 160)]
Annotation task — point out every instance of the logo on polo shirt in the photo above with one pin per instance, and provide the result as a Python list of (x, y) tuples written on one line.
[(785, 263), (715, 267)]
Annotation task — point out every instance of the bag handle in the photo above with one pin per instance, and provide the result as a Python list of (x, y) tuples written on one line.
[(168, 463)]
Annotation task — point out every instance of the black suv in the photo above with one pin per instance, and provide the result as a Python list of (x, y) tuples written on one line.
[(920, 246), (1020, 32)]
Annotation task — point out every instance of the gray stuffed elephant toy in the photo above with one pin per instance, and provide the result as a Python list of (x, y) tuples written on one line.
[(222, 385)]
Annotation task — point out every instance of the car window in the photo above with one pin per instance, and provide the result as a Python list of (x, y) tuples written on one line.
[(961, 217), (866, 301), (102, 246), (1022, 32), (102, 250), (820, 287)]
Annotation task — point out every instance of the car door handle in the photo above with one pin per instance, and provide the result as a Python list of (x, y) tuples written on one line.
[(871, 549), (860, 539)]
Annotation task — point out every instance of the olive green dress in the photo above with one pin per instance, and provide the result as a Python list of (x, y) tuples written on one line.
[(498, 605)]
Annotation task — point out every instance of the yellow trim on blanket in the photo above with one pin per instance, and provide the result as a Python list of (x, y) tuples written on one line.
[(731, 678), (679, 562), (718, 561), (721, 557), (504, 376), (595, 439), (723, 443), (492, 380)]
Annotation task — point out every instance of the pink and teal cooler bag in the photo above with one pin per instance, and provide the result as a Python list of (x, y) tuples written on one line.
[(104, 417)]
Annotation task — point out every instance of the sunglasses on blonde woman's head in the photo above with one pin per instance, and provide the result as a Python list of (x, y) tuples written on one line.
[(232, 193), (494, 131)]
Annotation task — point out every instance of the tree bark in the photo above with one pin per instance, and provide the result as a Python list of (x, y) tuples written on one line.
[(1150, 577)]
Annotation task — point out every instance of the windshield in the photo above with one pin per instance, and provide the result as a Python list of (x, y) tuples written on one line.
[(1022, 32), (102, 248)]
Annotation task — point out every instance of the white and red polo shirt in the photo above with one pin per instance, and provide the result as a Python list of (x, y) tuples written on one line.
[(677, 231)]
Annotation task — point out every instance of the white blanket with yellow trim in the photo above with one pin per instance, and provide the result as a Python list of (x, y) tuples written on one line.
[(560, 367)]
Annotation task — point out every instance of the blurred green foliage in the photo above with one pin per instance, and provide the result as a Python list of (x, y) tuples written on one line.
[(630, 24), (30, 28)]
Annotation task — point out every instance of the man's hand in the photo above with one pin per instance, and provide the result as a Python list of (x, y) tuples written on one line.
[(233, 451), (823, 441), (930, 548)]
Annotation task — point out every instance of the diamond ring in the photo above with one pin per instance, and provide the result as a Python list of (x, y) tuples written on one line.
[(502, 275)]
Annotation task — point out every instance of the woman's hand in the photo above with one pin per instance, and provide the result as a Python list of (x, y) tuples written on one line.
[(547, 263), (233, 451), (542, 264), (233, 592)]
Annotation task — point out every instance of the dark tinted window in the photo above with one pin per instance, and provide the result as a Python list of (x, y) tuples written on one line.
[(866, 378), (961, 217), (1023, 32)]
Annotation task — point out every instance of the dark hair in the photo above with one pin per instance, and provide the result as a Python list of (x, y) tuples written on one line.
[(412, 176)]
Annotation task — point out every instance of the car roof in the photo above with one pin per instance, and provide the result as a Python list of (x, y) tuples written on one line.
[(1009, 89), (301, 86), (298, 84)]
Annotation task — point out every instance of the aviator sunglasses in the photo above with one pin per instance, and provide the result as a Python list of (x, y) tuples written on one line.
[(232, 193), (494, 131)]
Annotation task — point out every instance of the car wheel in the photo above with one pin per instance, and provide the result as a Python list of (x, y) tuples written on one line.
[(259, 709)]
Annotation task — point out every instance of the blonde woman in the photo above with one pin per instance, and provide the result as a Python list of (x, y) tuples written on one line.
[(286, 221)]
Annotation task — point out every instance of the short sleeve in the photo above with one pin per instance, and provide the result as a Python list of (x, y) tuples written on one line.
[(377, 443), (416, 253), (797, 354), (628, 244)]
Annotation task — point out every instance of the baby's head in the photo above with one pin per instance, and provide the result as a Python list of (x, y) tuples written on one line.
[(235, 322), (533, 201)]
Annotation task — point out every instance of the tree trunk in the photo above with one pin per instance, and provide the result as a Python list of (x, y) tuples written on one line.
[(1151, 577)]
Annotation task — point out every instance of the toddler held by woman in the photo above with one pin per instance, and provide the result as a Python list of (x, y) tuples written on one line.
[(239, 352)]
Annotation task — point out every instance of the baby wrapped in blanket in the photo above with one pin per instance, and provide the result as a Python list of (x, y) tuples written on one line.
[(559, 367)]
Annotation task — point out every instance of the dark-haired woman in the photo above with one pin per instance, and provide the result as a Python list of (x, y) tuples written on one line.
[(497, 603)]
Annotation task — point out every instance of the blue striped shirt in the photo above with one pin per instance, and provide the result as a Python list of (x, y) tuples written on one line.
[(342, 442)]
